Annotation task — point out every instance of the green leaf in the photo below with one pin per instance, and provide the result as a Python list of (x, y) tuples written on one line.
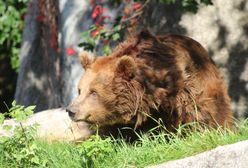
[(2, 118), (35, 160), (207, 2), (7, 127), (20, 115), (190, 5), (116, 36), (29, 110), (167, 1), (13, 103), (4, 139), (85, 34), (86, 46), (106, 50), (117, 28)]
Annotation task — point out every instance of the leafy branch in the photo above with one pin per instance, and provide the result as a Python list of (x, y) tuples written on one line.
[(106, 31)]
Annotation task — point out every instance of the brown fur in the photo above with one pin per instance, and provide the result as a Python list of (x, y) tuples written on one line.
[(169, 78)]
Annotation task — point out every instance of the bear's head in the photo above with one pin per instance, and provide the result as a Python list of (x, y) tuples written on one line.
[(108, 93), (123, 87)]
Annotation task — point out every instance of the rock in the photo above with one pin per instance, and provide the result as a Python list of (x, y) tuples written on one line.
[(53, 124), (228, 156)]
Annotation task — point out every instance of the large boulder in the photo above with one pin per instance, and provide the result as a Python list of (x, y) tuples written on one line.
[(228, 156), (53, 124)]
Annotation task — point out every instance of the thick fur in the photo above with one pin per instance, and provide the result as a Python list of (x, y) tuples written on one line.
[(167, 78)]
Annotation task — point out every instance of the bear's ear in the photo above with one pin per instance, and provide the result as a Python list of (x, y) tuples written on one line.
[(126, 67), (86, 59), (145, 34)]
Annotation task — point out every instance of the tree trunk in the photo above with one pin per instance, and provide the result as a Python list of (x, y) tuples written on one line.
[(74, 19), (39, 75), (48, 76)]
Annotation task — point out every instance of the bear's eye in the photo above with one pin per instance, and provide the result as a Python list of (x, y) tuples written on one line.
[(79, 91), (93, 93)]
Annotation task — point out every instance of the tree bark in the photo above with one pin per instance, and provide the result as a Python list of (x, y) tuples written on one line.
[(74, 19), (48, 77), (39, 75)]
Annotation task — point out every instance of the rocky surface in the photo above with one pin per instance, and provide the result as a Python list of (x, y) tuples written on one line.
[(228, 156), (54, 124)]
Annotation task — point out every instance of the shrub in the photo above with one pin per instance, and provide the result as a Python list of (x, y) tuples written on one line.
[(21, 148), (11, 19)]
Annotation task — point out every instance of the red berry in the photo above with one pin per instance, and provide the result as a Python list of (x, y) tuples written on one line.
[(136, 5), (70, 51)]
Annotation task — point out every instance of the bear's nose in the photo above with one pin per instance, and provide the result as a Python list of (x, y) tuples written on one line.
[(70, 112)]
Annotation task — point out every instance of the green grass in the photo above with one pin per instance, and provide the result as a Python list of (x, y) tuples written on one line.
[(97, 152)]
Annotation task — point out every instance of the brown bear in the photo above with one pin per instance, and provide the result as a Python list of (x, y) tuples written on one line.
[(148, 80)]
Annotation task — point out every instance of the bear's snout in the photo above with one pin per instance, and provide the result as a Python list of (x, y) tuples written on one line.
[(71, 112)]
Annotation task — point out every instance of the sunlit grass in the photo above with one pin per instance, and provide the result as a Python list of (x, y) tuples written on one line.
[(148, 150)]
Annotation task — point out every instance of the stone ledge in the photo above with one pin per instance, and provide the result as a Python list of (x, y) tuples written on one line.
[(54, 124), (227, 156)]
